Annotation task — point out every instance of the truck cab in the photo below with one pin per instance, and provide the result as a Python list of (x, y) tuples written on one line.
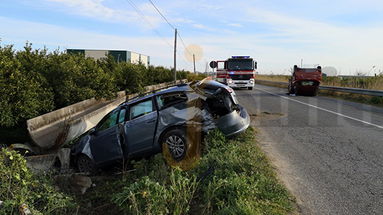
[(236, 72)]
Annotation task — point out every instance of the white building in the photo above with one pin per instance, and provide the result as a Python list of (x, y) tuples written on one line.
[(119, 55)]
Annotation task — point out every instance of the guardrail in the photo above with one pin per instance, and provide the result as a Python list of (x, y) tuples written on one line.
[(329, 88), (51, 130)]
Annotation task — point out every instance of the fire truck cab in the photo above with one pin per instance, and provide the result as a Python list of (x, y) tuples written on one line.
[(236, 72)]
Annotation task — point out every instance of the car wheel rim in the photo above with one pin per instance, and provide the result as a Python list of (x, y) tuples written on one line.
[(176, 146)]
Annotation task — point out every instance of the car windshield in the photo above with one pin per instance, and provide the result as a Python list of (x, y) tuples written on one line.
[(242, 64)]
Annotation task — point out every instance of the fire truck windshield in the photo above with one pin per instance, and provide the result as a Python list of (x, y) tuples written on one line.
[(240, 64)]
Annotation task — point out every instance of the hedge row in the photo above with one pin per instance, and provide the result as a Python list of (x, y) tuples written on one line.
[(34, 82)]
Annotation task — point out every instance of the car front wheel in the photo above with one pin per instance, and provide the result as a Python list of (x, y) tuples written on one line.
[(175, 141)]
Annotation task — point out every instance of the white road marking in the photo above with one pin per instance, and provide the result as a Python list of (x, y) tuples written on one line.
[(323, 109)]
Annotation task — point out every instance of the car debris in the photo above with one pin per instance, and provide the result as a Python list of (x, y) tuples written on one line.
[(170, 118)]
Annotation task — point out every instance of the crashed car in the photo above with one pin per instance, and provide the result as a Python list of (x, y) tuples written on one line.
[(167, 119)]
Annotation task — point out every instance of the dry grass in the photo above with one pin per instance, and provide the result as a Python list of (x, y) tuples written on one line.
[(375, 83)]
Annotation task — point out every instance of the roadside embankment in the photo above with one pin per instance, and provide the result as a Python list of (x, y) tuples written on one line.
[(233, 176)]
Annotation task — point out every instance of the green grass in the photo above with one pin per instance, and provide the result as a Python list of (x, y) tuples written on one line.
[(233, 176)]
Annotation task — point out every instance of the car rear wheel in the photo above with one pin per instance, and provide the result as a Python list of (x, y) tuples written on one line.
[(85, 164)]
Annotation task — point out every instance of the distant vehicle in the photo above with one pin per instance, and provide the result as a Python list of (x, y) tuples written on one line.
[(171, 119), (305, 81), (236, 72)]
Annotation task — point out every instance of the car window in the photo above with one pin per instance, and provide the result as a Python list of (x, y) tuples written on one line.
[(141, 109), (109, 121), (121, 116), (167, 100)]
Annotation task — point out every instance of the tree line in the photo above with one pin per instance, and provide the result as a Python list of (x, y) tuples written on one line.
[(35, 81)]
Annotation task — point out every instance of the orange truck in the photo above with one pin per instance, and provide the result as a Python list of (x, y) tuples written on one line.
[(305, 81)]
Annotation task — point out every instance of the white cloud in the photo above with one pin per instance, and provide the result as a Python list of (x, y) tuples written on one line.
[(237, 25), (95, 9), (52, 36), (200, 26), (98, 9)]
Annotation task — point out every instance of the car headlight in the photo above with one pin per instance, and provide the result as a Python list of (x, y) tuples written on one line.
[(251, 81), (229, 81)]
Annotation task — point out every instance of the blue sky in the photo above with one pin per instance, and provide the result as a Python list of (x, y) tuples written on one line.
[(345, 34)]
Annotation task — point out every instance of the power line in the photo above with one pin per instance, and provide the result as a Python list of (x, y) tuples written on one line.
[(172, 26), (162, 15), (167, 21), (183, 43), (139, 12)]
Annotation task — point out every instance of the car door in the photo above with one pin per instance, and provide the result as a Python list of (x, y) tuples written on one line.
[(140, 129), (105, 142)]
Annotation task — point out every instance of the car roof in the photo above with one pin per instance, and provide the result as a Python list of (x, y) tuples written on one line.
[(178, 88)]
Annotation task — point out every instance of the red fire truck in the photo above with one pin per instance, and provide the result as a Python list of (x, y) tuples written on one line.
[(236, 72)]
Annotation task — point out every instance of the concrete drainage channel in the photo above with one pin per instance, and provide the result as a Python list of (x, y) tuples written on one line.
[(49, 132)]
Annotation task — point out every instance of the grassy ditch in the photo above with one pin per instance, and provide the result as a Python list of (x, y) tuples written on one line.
[(372, 82), (366, 99), (233, 176), (362, 83)]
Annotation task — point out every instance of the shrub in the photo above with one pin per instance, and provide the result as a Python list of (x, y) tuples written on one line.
[(19, 186), (24, 92)]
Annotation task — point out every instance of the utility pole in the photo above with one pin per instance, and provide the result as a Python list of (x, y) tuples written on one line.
[(175, 55), (301, 63), (194, 62)]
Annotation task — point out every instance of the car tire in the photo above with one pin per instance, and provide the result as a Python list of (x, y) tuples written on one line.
[(176, 142), (192, 144), (85, 164), (250, 88)]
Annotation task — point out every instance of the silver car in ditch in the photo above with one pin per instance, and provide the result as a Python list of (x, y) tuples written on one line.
[(172, 118)]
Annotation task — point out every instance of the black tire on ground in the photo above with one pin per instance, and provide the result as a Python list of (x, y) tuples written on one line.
[(176, 142), (250, 88), (291, 89), (295, 90), (85, 164), (315, 92)]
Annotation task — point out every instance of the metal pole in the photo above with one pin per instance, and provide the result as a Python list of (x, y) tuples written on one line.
[(194, 62), (175, 56), (301, 63)]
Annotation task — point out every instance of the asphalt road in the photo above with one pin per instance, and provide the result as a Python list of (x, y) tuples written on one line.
[(329, 152)]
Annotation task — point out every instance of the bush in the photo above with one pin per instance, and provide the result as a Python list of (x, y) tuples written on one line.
[(19, 186), (24, 91), (35, 82)]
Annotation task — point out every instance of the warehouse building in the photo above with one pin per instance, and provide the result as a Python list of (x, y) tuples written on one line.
[(119, 55)]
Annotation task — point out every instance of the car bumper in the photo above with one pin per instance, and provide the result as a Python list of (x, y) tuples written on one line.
[(240, 85), (234, 122)]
